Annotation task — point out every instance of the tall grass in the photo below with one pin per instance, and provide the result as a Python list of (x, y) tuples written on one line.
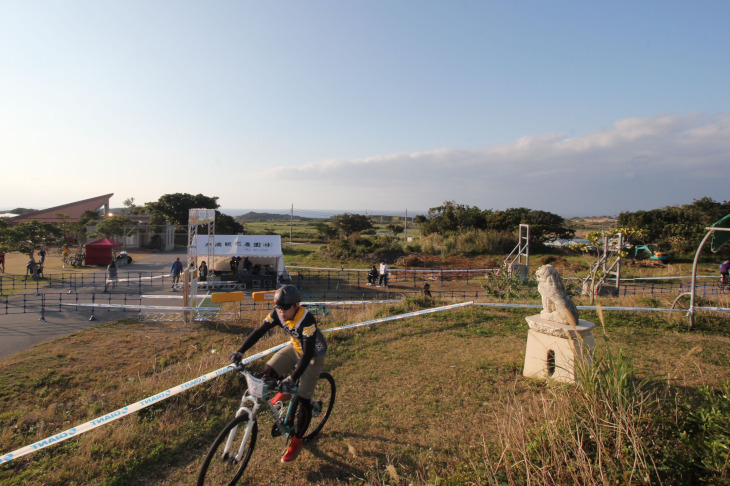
[(474, 242), (615, 425)]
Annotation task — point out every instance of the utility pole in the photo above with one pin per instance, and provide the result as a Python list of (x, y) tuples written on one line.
[(291, 222), (405, 228)]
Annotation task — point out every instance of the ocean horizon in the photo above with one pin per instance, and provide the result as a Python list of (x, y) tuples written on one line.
[(328, 213), (321, 213)]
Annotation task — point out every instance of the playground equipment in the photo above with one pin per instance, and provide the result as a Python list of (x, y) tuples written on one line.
[(609, 264), (519, 264)]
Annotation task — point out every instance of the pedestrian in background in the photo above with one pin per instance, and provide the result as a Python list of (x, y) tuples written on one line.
[(111, 271), (383, 280), (175, 272)]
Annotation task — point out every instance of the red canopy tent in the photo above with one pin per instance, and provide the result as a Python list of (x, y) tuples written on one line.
[(101, 252)]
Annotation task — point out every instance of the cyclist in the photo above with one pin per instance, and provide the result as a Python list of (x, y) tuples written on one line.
[(724, 268), (304, 354)]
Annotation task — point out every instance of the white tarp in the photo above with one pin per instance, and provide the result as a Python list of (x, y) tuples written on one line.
[(264, 250)]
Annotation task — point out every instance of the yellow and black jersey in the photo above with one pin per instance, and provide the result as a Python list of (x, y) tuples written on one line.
[(301, 328)]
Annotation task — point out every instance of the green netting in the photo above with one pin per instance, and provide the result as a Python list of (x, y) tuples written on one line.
[(719, 238)]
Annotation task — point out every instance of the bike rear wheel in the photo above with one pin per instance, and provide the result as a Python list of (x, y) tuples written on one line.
[(220, 468), (323, 400)]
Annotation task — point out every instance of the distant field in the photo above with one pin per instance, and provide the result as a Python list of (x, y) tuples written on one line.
[(305, 232)]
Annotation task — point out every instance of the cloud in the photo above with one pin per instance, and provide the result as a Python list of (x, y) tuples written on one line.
[(640, 163)]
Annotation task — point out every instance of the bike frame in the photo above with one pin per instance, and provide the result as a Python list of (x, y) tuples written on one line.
[(252, 410)]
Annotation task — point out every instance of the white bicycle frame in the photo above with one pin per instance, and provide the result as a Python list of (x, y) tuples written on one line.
[(249, 425)]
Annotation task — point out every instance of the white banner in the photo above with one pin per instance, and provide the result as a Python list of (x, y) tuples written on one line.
[(243, 245)]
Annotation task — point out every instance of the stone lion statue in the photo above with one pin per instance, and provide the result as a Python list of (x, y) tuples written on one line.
[(556, 303)]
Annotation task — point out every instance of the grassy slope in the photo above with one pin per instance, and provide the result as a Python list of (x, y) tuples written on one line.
[(422, 395)]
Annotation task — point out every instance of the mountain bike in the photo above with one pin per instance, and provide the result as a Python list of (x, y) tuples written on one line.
[(723, 283), (229, 455)]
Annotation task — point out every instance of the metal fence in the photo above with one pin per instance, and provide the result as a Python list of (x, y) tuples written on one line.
[(333, 278), (74, 281), (47, 302)]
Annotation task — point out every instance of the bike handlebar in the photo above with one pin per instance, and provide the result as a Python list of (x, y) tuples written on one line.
[(270, 384)]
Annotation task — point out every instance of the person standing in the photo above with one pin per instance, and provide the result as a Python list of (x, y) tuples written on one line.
[(175, 272), (383, 280), (203, 269), (2, 261), (31, 269), (42, 254), (111, 271)]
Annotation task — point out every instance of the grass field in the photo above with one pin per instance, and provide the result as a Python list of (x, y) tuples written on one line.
[(437, 399), (420, 401)]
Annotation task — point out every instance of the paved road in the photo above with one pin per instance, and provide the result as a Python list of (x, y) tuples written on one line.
[(21, 331)]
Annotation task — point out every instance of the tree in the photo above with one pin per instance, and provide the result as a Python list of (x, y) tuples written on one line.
[(132, 208), (546, 226), (113, 227), (396, 229), (452, 218), (680, 228), (27, 237), (325, 231), (175, 207), (347, 224), (226, 225)]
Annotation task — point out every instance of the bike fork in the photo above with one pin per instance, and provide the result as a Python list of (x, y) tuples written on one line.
[(246, 435)]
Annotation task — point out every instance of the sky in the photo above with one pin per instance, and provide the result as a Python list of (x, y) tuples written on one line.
[(573, 107)]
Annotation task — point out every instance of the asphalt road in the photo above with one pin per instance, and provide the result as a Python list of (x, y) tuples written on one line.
[(19, 332)]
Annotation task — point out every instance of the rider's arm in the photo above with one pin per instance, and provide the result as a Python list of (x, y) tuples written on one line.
[(257, 334)]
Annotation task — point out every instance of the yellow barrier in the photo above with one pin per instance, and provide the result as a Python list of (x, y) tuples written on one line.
[(226, 297), (263, 296)]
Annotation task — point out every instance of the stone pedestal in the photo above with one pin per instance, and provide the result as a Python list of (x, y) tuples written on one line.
[(553, 349)]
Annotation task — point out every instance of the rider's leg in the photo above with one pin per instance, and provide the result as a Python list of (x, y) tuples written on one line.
[(281, 363), (304, 416)]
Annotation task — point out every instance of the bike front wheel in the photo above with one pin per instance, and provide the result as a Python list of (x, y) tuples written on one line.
[(220, 465), (323, 400)]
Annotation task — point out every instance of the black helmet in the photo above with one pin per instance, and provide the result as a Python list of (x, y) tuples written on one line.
[(287, 295)]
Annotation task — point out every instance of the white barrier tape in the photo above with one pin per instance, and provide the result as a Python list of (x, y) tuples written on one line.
[(589, 307), (400, 316), (131, 306), (716, 309), (152, 296), (352, 302), (179, 308), (146, 402), (463, 270), (135, 279), (124, 411)]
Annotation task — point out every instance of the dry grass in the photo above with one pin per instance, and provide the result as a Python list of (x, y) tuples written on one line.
[(432, 400)]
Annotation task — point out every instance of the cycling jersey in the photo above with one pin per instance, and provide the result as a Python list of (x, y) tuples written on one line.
[(306, 339)]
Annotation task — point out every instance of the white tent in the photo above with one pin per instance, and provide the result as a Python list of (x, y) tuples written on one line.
[(263, 250)]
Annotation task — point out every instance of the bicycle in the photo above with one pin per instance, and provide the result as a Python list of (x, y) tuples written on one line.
[(723, 283), (226, 465), (78, 260)]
